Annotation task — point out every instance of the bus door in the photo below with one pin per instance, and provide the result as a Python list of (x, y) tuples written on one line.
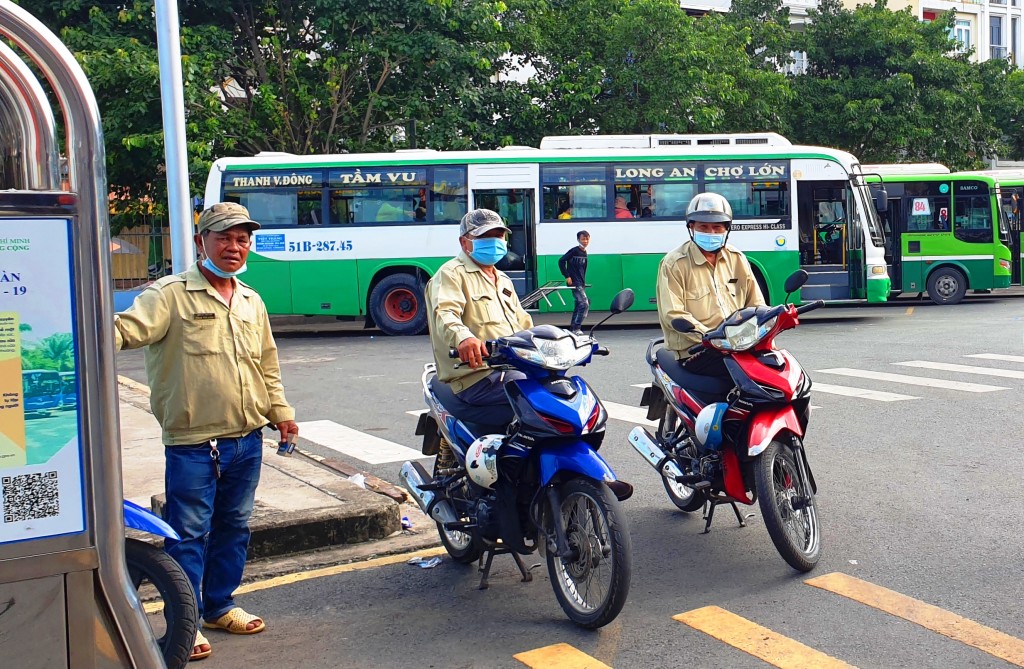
[(823, 217), (892, 227), (1012, 199), (510, 190)]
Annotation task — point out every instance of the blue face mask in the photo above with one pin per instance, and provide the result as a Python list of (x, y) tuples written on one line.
[(709, 241), (217, 271), (488, 251)]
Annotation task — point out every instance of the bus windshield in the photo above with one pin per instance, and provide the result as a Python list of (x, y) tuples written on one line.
[(867, 204), (41, 383)]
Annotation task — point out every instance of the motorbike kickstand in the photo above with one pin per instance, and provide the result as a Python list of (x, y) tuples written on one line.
[(739, 516), (708, 515), (485, 568)]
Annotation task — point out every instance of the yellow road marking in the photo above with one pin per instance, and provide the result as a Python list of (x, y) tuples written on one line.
[(928, 616), (758, 641), (559, 656), (288, 579), (910, 310)]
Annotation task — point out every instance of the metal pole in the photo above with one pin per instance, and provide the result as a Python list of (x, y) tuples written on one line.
[(172, 99)]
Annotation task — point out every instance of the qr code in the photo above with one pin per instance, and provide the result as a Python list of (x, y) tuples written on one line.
[(30, 496)]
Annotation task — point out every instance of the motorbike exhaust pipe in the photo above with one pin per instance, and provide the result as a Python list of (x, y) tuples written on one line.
[(645, 445), (413, 478)]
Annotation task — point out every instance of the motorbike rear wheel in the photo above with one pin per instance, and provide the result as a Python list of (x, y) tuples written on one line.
[(149, 564), (461, 546), (794, 531), (592, 585), (683, 496)]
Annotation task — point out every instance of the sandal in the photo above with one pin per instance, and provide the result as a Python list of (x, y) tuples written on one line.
[(197, 653), (236, 621)]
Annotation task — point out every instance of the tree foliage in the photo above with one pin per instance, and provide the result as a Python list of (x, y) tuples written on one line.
[(889, 88)]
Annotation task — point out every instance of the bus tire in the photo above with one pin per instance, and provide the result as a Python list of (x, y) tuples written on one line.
[(947, 285), (397, 305)]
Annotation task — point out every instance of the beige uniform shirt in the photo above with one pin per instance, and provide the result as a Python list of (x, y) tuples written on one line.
[(692, 288), (464, 302), (212, 368)]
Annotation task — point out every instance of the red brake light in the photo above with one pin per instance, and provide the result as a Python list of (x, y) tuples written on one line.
[(595, 415), (560, 425)]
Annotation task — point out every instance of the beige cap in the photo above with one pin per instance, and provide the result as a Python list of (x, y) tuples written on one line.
[(224, 215), (479, 221)]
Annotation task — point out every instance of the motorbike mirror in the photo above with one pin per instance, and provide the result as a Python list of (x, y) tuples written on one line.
[(622, 301), (682, 325), (795, 281)]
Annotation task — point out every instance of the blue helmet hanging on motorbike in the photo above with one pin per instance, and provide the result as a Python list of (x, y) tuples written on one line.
[(708, 428)]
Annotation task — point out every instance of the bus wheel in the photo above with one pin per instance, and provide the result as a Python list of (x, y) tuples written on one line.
[(397, 305), (946, 285)]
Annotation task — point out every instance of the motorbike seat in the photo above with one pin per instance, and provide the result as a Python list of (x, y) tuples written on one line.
[(479, 418), (710, 385)]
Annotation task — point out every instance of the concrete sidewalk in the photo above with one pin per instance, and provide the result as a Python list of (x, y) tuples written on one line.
[(301, 505)]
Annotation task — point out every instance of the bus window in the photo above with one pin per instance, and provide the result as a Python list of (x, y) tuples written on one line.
[(448, 194), (397, 195), (754, 199), (923, 213), (973, 221), (656, 190), (280, 199), (574, 192)]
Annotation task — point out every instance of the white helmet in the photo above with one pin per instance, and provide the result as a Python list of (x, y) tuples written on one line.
[(482, 460), (709, 208), (708, 428)]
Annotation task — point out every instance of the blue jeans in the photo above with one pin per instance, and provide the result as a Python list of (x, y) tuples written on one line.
[(582, 307), (211, 515)]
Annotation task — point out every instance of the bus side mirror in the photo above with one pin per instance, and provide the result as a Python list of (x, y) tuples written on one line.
[(881, 201)]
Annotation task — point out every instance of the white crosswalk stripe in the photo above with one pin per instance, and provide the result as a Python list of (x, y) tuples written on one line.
[(863, 393), (964, 369), (913, 380), (630, 414), (354, 443), (997, 356)]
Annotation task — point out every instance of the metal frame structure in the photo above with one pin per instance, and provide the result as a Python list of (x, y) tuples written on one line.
[(84, 573)]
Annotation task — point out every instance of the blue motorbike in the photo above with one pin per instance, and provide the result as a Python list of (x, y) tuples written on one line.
[(526, 476), (149, 564)]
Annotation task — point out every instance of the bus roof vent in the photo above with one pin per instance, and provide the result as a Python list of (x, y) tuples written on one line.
[(596, 142), (517, 148), (273, 154), (415, 150), (723, 139)]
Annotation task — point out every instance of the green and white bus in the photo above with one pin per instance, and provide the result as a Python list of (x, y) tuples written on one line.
[(359, 235), (946, 233), (1011, 184)]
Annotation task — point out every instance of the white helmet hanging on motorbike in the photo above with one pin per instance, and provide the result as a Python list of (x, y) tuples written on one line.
[(482, 460), (708, 428)]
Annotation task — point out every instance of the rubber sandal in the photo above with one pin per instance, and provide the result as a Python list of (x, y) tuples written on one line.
[(236, 621), (200, 641)]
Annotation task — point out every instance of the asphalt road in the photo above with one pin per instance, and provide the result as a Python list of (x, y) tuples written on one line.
[(918, 495)]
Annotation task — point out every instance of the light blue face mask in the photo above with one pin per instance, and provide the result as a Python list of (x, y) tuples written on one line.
[(488, 251), (709, 241), (217, 271)]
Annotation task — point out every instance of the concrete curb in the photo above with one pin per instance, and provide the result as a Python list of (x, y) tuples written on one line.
[(312, 507)]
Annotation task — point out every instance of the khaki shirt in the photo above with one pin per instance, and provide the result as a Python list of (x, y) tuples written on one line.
[(463, 302), (212, 368), (692, 288)]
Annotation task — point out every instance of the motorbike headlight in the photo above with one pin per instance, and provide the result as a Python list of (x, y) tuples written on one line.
[(744, 335), (561, 353)]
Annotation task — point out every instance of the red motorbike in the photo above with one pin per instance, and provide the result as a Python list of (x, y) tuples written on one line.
[(737, 435)]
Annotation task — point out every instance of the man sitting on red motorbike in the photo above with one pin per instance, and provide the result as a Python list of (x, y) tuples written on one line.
[(704, 281)]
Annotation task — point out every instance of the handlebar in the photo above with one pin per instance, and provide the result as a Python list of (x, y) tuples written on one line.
[(810, 306), (695, 349)]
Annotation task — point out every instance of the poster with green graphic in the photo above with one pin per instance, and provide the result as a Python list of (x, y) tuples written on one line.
[(40, 451)]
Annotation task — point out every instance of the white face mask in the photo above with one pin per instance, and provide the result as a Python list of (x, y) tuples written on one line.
[(217, 271)]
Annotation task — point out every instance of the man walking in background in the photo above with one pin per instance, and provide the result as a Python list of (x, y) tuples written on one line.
[(573, 266)]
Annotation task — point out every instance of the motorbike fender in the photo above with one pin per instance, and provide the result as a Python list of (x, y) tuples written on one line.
[(765, 425), (144, 520), (576, 456)]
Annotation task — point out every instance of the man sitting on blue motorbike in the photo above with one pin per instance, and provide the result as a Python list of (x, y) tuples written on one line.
[(470, 301)]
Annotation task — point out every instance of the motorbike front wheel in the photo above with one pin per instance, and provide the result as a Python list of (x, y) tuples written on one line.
[(461, 546), (790, 514), (592, 583), (176, 633), (683, 496)]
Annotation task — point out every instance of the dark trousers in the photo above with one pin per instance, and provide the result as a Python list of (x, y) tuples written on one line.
[(582, 308)]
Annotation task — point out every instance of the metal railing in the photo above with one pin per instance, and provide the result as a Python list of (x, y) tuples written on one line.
[(139, 255)]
